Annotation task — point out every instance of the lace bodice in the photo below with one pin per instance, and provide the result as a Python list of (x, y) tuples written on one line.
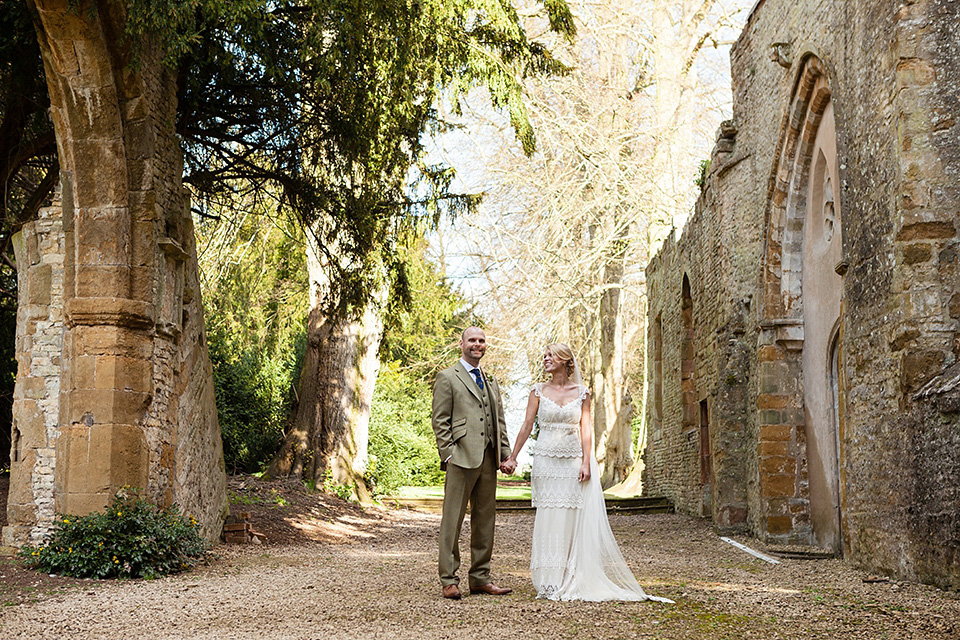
[(557, 453), (559, 426)]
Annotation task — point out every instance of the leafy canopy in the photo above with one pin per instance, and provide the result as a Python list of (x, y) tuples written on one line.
[(326, 103)]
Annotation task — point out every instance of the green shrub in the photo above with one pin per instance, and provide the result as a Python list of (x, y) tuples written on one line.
[(702, 173), (130, 539), (255, 302), (254, 394), (403, 449)]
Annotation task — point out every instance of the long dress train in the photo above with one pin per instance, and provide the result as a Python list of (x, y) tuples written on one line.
[(574, 554)]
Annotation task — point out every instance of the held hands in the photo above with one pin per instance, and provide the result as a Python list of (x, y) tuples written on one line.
[(509, 465)]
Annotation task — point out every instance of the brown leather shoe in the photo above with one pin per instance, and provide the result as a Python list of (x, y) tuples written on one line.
[(451, 592), (490, 589)]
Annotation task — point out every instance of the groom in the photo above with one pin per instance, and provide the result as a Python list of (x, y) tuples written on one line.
[(472, 440)]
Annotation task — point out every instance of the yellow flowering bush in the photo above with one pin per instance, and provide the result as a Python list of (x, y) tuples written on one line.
[(132, 538)]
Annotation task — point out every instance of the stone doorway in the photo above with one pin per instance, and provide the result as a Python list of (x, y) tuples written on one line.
[(822, 291), (801, 372)]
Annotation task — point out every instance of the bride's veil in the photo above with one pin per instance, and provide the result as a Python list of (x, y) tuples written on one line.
[(576, 377)]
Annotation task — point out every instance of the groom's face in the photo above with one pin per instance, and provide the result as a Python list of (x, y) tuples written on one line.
[(473, 344)]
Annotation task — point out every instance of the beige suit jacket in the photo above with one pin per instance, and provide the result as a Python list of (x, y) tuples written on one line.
[(458, 418)]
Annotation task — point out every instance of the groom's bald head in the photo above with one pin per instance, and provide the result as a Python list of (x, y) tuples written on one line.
[(473, 344), (463, 336)]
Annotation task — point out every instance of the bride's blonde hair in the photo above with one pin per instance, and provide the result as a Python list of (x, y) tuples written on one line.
[(564, 353)]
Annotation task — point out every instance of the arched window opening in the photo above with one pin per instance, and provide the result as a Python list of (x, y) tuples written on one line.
[(688, 386)]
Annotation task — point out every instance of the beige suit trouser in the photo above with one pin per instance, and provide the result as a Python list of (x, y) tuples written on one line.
[(479, 488)]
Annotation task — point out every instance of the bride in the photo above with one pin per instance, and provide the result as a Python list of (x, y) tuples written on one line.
[(574, 555)]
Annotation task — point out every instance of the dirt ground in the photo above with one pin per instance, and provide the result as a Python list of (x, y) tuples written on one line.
[(332, 570)]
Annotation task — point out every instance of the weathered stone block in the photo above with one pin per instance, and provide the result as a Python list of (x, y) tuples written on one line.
[(771, 417), (915, 253), (128, 374), (113, 341), (731, 516), (783, 486), (101, 175), (776, 432), (955, 305), (21, 513), (775, 465), (141, 140), (38, 284), (778, 525), (100, 460), (769, 353), (84, 372), (21, 485), (915, 72), (81, 504), (99, 281), (920, 366), (927, 231), (905, 337), (107, 407), (143, 282), (772, 401), (103, 238), (33, 387), (29, 418), (774, 448)]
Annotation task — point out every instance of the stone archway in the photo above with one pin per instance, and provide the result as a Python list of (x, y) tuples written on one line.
[(822, 289), (115, 386), (801, 365)]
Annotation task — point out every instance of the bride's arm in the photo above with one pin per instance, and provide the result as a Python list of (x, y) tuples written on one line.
[(586, 438), (532, 403)]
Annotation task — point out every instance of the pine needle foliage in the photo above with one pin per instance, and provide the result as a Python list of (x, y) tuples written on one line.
[(327, 103)]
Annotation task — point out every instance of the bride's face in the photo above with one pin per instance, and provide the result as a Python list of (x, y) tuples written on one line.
[(551, 363)]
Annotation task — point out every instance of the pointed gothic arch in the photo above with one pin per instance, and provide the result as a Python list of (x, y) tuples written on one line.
[(798, 452)]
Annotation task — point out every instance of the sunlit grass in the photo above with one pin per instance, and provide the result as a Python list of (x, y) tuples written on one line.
[(430, 493)]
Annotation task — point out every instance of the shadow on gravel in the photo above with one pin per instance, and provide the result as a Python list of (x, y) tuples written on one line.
[(287, 512)]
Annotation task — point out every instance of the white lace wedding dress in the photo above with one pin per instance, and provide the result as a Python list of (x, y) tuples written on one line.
[(574, 555)]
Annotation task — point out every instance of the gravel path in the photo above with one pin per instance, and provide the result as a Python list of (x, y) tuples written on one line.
[(346, 573)]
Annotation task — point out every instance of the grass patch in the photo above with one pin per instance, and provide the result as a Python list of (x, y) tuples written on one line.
[(255, 498), (693, 616), (436, 493)]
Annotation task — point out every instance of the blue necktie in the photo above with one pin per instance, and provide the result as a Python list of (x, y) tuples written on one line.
[(476, 376)]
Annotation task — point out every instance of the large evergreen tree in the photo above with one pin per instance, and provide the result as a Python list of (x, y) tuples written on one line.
[(325, 103)]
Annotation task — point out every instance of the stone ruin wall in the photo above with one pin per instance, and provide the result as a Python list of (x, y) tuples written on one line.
[(717, 254), (39, 253), (135, 401), (890, 71), (186, 461)]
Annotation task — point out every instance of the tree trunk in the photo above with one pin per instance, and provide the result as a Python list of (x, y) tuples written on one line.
[(340, 367), (613, 409)]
